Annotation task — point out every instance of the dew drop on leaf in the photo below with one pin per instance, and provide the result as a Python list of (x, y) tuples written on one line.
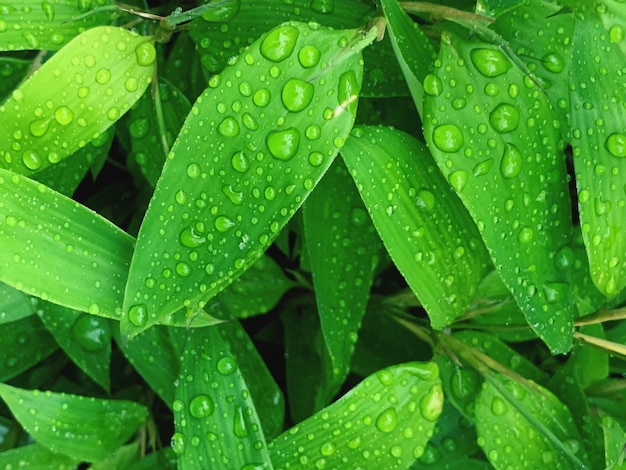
[(555, 291), (616, 144), (223, 223), (229, 127), (91, 332), (490, 62), (448, 138), (262, 97), (316, 158), (504, 118), (499, 406), (145, 54), (431, 404), (226, 366), (138, 315), (103, 76), (425, 200), (63, 115), (178, 443), (458, 180), (201, 406), (553, 62), (323, 6), (525, 235), (32, 160), (48, 9), (283, 145), (512, 161), (296, 95), (279, 43), (387, 420), (309, 56), (433, 85)]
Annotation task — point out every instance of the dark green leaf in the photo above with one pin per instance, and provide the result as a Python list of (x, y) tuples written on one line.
[(36, 457), (14, 305)]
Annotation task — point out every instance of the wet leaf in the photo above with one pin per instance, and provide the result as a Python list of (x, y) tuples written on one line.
[(59, 250), (614, 439), (74, 97), (484, 142), (422, 224), (526, 425), (83, 428), (216, 422), (368, 433), (12, 72), (262, 153), (14, 305), (36, 457), (343, 249), (48, 24)]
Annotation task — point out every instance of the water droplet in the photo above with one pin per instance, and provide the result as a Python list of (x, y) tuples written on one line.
[(347, 92), (458, 180), (145, 54), (553, 62), (616, 144), (223, 223), (48, 9), (316, 158), (499, 406), (138, 315), (201, 406), (193, 170), (296, 95), (601, 207), (525, 235), (32, 160), (91, 333), (227, 366), (387, 420), (103, 76), (425, 200), (240, 428), (283, 145), (183, 269), (39, 127), (113, 114), (512, 161), (564, 258), (90, 60), (229, 127), (309, 56), (249, 121), (327, 449), (221, 12), (504, 118), (432, 403), (610, 288), (448, 138), (616, 33), (490, 62), (131, 84), (31, 39), (482, 168), (279, 43), (178, 443), (433, 85), (262, 97), (236, 197), (63, 115), (323, 6), (556, 291), (240, 162)]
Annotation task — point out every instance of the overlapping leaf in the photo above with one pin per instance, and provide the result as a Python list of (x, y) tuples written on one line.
[(423, 225), (246, 159), (36, 457), (496, 140), (74, 97)]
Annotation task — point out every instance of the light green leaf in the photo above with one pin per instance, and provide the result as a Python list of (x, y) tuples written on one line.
[(36, 457), (48, 24), (614, 439), (526, 424), (424, 227), (56, 249), (484, 136), (343, 249), (85, 338), (266, 129), (83, 428), (14, 305), (599, 143), (25, 342), (384, 422), (12, 72), (121, 459), (216, 422), (74, 97)]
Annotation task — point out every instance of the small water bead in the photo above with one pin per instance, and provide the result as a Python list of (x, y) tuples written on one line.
[(245, 89), (279, 43), (616, 144), (145, 53), (504, 118), (564, 258), (601, 207), (448, 138), (32, 160), (499, 406), (138, 315), (201, 406), (283, 145), (491, 89), (90, 60), (262, 97), (458, 180), (297, 95), (229, 127), (525, 235), (432, 403), (103, 76), (227, 366), (63, 115), (313, 132), (113, 114), (553, 62), (31, 39), (309, 56), (512, 161), (490, 62), (433, 85)]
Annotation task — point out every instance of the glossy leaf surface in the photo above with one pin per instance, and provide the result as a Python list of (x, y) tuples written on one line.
[(74, 97), (358, 430), (36, 457), (423, 225), (262, 152), (14, 305), (484, 136), (82, 428)]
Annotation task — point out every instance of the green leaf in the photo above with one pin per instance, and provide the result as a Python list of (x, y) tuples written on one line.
[(614, 438), (12, 72), (164, 459), (424, 227), (48, 25), (121, 459), (520, 424), (80, 427), (36, 457), (599, 143), (74, 97), (85, 338), (343, 249), (262, 154), (56, 249), (216, 422), (25, 342), (384, 422), (484, 143), (14, 305)]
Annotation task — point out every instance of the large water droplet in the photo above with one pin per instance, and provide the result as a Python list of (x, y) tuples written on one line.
[(323, 6), (433, 85), (227, 366), (512, 161), (48, 9), (63, 115), (236, 197), (448, 138), (32, 160), (348, 91), (499, 406), (283, 145), (490, 62), (616, 144), (279, 43), (296, 95), (425, 200), (222, 11), (103, 76), (553, 62), (178, 443), (240, 162), (229, 127), (309, 56), (223, 223), (387, 420), (201, 406), (91, 333), (262, 97), (145, 54), (525, 235), (138, 315), (458, 180), (504, 118), (39, 127), (432, 403)]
